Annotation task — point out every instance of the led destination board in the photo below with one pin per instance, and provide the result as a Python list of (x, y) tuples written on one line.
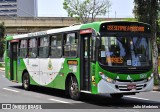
[(125, 28)]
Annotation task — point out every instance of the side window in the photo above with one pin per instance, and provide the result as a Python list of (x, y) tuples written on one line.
[(8, 48), (32, 48), (70, 45), (23, 48), (44, 47), (56, 46)]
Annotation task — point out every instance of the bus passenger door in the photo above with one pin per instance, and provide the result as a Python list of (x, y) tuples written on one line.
[(85, 61), (13, 60)]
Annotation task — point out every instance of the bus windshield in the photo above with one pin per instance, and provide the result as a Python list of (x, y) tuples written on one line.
[(125, 51)]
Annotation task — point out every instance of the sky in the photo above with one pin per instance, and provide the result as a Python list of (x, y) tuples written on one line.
[(54, 8)]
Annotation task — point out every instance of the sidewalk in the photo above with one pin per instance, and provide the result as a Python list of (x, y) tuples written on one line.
[(156, 88), (2, 69)]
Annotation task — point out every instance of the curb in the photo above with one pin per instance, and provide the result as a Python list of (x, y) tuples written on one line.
[(156, 88)]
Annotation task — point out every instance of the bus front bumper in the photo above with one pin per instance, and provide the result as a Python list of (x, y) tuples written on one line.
[(122, 87)]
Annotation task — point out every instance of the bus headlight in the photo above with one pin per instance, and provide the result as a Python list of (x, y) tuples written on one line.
[(104, 77), (150, 77)]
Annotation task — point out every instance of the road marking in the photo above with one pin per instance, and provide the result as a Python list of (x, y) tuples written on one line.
[(10, 90), (137, 98), (59, 101)]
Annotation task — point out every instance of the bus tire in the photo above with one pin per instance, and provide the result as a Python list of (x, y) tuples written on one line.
[(74, 89), (26, 81), (116, 96)]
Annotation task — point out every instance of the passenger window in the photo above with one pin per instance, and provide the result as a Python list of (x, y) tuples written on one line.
[(23, 48), (70, 45), (32, 48), (44, 47), (56, 46)]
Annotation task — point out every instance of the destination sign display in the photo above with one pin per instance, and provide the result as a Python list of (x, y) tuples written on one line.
[(125, 28)]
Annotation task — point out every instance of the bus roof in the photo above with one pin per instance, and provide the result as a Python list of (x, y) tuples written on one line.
[(94, 25)]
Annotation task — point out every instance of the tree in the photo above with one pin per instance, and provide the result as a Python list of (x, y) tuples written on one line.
[(158, 36), (83, 10), (158, 29), (147, 11), (2, 33)]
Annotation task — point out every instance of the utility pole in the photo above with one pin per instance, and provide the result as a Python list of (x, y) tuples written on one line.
[(108, 12), (115, 14)]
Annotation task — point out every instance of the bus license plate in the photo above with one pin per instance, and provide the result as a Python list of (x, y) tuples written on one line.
[(131, 86)]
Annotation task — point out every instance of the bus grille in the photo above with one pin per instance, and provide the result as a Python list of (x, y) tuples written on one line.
[(124, 87)]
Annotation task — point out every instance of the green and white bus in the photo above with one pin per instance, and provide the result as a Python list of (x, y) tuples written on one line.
[(110, 57)]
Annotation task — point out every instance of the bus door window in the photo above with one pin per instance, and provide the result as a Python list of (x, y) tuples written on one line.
[(14, 50), (86, 56), (87, 52)]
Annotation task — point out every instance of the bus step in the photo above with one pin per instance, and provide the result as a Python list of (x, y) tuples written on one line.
[(14, 81)]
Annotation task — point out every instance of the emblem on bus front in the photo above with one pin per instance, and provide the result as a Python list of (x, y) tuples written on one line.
[(143, 76), (129, 78)]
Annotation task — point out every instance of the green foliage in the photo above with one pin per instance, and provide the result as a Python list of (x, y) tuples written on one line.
[(2, 41), (2, 30), (130, 19), (2, 65), (83, 10), (142, 10), (156, 81)]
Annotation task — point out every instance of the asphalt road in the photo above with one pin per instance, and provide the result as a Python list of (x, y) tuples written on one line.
[(12, 95)]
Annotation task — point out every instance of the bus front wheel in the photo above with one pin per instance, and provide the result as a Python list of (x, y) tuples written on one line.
[(74, 89), (26, 81)]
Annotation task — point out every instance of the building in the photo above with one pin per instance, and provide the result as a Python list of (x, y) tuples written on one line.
[(27, 8), (18, 8), (8, 7)]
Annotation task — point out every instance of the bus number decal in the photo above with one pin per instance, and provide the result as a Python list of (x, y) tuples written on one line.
[(114, 60), (72, 62)]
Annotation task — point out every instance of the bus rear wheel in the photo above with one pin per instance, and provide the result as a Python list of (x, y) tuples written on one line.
[(74, 89), (117, 96), (26, 81)]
